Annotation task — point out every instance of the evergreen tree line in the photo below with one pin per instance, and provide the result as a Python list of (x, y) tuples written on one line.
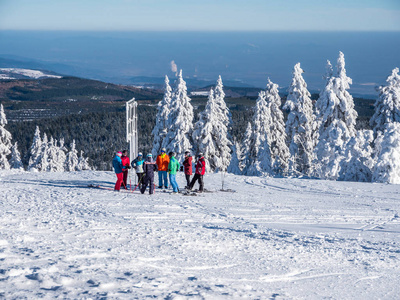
[(97, 134), (44, 155), (318, 140), (52, 156)]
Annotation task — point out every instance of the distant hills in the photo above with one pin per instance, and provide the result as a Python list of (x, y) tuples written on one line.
[(152, 82), (29, 99), (12, 61), (192, 83)]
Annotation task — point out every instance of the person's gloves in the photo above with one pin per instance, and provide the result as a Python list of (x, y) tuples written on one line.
[(128, 167)]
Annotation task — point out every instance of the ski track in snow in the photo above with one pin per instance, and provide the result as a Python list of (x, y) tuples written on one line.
[(275, 238)]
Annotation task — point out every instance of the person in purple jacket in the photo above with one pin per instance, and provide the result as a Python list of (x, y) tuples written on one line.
[(149, 166)]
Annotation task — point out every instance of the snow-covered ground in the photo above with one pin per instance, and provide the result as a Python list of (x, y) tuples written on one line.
[(5, 76), (34, 74), (272, 239)]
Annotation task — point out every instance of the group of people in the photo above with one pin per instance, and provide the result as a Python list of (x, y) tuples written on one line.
[(167, 167)]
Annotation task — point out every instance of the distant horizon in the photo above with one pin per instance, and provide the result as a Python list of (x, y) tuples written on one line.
[(243, 58)]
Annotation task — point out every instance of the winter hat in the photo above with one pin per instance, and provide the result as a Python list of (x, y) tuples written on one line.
[(163, 150), (140, 154), (187, 152), (119, 153), (149, 155), (200, 154)]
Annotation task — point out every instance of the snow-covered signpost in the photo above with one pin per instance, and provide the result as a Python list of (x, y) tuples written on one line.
[(131, 128)]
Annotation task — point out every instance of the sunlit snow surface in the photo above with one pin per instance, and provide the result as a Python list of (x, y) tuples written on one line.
[(35, 74), (272, 239)]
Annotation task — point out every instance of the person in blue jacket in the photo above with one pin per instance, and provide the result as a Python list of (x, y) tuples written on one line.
[(149, 167), (117, 164)]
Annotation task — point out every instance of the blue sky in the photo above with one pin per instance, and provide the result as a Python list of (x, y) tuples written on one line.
[(201, 15)]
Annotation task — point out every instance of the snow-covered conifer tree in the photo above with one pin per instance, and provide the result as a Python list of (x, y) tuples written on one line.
[(72, 158), (327, 76), (328, 71), (264, 162), (35, 151), (62, 145), (44, 158), (83, 163), (258, 156), (279, 151), (226, 116), (180, 121), (387, 145), (5, 141), (51, 150), (56, 157), (387, 106), (211, 136), (300, 124), (219, 96), (160, 130), (245, 147), (15, 161), (358, 162), (336, 121), (234, 165)]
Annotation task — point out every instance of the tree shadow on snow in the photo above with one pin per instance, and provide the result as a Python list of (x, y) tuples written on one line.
[(84, 184)]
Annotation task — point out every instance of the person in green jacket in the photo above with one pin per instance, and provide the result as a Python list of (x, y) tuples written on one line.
[(173, 167)]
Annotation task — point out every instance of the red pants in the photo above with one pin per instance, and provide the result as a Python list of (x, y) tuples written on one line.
[(120, 177)]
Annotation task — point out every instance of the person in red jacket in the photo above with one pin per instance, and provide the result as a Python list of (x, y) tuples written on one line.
[(200, 170), (126, 164), (187, 165)]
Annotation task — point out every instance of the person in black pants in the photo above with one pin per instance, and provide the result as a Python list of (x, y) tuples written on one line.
[(149, 166), (200, 171), (187, 165)]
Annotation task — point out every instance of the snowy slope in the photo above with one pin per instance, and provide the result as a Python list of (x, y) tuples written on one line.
[(16, 73), (272, 239)]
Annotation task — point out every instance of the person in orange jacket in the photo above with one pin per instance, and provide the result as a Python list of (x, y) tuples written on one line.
[(162, 163)]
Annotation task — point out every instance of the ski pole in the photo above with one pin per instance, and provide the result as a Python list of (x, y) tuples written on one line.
[(130, 181), (138, 183), (124, 185)]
